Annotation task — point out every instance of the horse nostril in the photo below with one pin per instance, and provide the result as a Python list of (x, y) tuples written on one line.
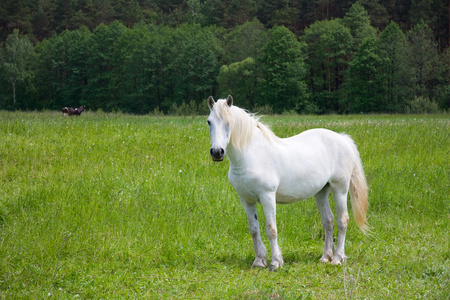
[(217, 153)]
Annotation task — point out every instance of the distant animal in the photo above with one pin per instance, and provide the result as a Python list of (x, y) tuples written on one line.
[(70, 111), (268, 170)]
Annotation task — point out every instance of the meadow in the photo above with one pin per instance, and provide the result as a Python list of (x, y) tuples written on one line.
[(112, 206)]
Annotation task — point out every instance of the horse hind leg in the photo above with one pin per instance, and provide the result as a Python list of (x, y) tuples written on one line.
[(327, 217), (340, 199)]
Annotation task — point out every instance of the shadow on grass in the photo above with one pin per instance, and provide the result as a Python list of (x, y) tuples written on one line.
[(236, 261)]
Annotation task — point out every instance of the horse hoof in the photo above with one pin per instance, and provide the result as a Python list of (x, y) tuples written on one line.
[(325, 260), (337, 260), (273, 268), (275, 265), (260, 263)]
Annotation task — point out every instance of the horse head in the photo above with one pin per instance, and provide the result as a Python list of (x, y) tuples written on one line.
[(219, 126)]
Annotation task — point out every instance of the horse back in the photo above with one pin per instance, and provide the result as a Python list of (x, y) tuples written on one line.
[(311, 160), (296, 168)]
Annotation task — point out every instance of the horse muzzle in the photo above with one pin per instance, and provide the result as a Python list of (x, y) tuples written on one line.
[(217, 154)]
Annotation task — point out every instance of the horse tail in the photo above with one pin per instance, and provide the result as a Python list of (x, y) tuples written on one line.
[(359, 193)]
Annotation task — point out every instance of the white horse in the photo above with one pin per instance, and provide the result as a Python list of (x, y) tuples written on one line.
[(270, 170)]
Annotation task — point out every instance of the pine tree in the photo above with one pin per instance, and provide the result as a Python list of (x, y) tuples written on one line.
[(399, 71), (358, 21), (424, 57)]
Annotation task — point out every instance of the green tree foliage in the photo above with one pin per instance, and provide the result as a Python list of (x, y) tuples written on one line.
[(443, 90), (131, 70), (246, 40), (44, 17), (129, 12), (15, 14), (285, 13), (193, 64), (434, 13), (42, 25), (358, 21), (64, 10), (379, 15), (130, 80), (424, 57), (15, 60), (328, 50), (229, 13), (365, 86), (104, 66), (141, 56), (399, 69), (239, 79), (242, 71), (195, 14), (283, 85)]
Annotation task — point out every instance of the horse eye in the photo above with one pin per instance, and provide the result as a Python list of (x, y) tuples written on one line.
[(209, 123)]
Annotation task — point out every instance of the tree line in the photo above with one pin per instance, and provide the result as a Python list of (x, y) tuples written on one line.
[(43, 18), (342, 64)]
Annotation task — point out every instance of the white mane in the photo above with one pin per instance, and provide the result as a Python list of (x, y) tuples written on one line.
[(242, 124)]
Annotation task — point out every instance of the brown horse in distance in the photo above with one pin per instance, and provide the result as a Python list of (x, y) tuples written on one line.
[(70, 111)]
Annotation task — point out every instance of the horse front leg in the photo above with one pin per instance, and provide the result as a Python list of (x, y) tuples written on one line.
[(253, 224), (269, 205)]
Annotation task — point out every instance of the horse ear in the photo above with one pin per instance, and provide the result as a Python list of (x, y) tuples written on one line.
[(211, 102), (229, 100)]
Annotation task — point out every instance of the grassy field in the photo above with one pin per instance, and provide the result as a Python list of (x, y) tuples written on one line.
[(118, 206)]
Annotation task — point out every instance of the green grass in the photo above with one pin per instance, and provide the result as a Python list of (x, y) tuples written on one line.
[(118, 206)]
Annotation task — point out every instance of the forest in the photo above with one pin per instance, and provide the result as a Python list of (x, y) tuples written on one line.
[(277, 56)]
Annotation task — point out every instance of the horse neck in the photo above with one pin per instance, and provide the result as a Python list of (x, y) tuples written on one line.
[(235, 156), (247, 132), (240, 156)]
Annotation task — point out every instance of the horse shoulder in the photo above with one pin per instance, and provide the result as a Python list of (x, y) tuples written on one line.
[(253, 179)]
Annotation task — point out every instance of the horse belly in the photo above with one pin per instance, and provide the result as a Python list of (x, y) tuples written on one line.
[(297, 192), (300, 181), (286, 199)]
